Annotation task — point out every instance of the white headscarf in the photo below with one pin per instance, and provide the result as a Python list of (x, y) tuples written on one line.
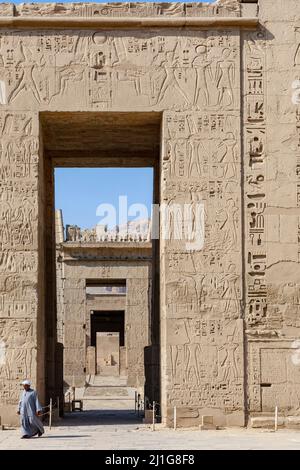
[(26, 382)]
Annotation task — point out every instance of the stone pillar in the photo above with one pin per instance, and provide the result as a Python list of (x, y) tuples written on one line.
[(91, 360), (21, 315), (201, 278), (137, 319), (74, 329), (272, 201), (59, 226)]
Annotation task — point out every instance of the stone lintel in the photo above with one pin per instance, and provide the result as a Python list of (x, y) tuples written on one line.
[(126, 23)]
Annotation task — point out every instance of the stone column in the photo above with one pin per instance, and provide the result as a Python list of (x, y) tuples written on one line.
[(137, 320), (201, 277), (74, 329), (272, 197)]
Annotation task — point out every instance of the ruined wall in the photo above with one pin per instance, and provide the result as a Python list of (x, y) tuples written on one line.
[(230, 141)]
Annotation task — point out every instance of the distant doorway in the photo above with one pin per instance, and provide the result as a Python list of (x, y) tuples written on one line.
[(107, 336), (111, 321)]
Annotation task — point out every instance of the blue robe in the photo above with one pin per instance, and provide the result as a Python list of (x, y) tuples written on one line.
[(28, 406)]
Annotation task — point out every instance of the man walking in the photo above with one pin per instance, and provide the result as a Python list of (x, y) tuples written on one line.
[(29, 410)]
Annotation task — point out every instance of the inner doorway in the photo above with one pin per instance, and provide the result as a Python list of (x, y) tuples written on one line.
[(107, 337), (103, 322), (94, 149)]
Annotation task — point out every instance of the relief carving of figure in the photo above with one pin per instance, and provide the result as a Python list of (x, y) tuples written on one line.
[(230, 294), (225, 80), (195, 158), (5, 213), (26, 80), (2, 83), (192, 359), (228, 364), (19, 353), (72, 72), (170, 81), (229, 225), (227, 155), (178, 340), (203, 74), (297, 53)]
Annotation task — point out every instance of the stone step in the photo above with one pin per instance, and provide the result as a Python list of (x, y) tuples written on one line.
[(265, 422), (109, 393), (106, 391), (268, 421), (99, 381), (112, 398)]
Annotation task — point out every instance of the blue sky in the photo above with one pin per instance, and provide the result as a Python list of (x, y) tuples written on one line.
[(79, 191)]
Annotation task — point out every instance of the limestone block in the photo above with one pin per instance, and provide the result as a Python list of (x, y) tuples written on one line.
[(74, 335), (74, 296), (272, 12), (91, 360), (74, 312), (265, 422), (292, 422), (207, 423)]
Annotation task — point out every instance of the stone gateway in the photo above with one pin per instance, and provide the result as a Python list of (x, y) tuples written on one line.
[(208, 95)]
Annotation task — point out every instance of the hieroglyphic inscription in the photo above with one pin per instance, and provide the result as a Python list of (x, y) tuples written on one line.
[(120, 70), (206, 356), (255, 177), (201, 165)]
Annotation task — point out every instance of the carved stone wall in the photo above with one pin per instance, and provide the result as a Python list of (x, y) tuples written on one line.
[(224, 81), (271, 153), (81, 263)]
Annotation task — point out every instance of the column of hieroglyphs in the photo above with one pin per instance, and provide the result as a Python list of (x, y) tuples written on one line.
[(255, 193)]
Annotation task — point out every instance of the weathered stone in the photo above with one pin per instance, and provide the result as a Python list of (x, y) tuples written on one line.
[(209, 96), (265, 422), (207, 423), (77, 304)]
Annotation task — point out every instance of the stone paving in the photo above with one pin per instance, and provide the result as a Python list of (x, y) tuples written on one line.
[(120, 429)]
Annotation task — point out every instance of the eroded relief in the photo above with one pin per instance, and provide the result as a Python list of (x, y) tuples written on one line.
[(206, 356), (124, 9), (18, 242), (114, 69), (274, 377), (18, 339), (201, 164)]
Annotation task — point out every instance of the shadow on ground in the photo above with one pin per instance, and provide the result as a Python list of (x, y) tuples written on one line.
[(100, 417), (60, 436)]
